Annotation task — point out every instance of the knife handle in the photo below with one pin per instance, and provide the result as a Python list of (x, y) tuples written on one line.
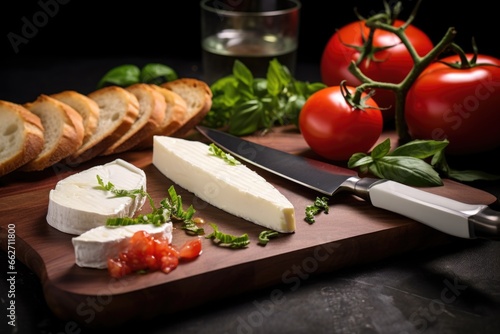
[(444, 214)]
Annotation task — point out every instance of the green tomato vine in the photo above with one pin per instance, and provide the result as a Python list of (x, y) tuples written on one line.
[(383, 21)]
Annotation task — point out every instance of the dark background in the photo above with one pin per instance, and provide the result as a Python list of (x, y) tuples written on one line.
[(78, 28)]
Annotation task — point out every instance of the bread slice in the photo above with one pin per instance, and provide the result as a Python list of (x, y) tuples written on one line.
[(198, 97), (152, 107), (88, 109), (118, 110), (175, 116), (63, 131), (21, 136), (176, 113)]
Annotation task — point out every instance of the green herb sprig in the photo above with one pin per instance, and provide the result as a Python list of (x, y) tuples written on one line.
[(244, 104), (265, 236), (218, 152), (122, 192), (227, 240), (170, 208), (175, 207), (319, 205)]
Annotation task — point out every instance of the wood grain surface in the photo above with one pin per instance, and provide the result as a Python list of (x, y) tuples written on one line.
[(353, 232)]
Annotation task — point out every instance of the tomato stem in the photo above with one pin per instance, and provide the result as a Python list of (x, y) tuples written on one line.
[(400, 90)]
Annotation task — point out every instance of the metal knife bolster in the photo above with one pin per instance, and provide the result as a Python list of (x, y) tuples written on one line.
[(444, 214), (485, 224)]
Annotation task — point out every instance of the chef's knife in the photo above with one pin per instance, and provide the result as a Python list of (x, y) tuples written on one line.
[(444, 214)]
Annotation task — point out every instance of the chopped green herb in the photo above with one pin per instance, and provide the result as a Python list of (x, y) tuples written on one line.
[(216, 151), (227, 240), (168, 210), (124, 193), (319, 205), (174, 205), (264, 236)]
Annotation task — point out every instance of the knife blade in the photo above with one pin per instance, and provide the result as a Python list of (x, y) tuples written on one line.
[(441, 213)]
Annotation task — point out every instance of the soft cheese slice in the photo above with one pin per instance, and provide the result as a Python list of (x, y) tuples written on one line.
[(233, 188), (94, 247), (77, 204)]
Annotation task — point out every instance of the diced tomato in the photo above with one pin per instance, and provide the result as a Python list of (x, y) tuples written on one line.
[(148, 253), (190, 250), (117, 268), (169, 263), (163, 248)]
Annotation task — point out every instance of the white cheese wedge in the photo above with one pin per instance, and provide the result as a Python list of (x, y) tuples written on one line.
[(77, 204), (235, 189), (94, 247)]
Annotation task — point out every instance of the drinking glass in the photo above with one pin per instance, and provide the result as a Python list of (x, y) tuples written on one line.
[(253, 31)]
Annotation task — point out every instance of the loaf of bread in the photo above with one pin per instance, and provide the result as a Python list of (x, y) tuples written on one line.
[(118, 110), (152, 107), (21, 136), (198, 97), (63, 131)]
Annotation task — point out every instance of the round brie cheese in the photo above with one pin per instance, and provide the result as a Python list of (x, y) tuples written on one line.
[(77, 203)]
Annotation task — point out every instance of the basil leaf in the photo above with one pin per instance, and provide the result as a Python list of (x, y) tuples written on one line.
[(381, 149), (420, 148), (471, 175), (260, 87), (246, 118), (407, 170), (281, 99), (124, 75), (219, 87), (359, 159), (242, 73), (157, 74)]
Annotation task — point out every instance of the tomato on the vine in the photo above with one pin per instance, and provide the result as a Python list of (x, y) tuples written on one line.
[(390, 61), (457, 104), (335, 129)]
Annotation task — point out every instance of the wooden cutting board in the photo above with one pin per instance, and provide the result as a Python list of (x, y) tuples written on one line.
[(353, 232)]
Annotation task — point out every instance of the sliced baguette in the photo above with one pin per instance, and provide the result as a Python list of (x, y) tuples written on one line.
[(176, 111), (175, 116), (88, 109), (118, 110), (21, 136), (198, 97), (63, 131), (152, 107)]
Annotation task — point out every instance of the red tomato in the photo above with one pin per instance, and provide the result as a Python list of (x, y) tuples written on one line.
[(458, 104), (390, 65), (336, 130)]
